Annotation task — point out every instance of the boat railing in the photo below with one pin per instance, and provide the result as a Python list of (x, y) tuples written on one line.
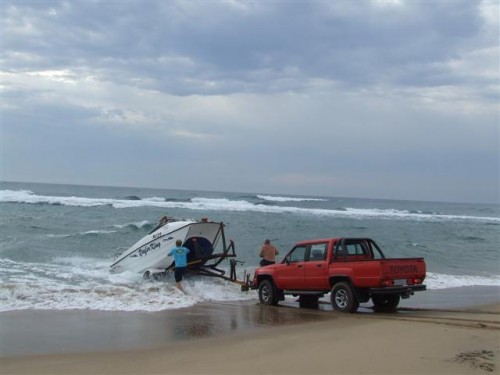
[(165, 220)]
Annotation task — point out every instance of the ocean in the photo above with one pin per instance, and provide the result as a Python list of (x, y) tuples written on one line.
[(58, 241)]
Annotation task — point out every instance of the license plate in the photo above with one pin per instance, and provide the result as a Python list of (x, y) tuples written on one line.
[(400, 282)]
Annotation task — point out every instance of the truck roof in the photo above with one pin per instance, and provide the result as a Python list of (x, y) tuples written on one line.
[(305, 242), (336, 239)]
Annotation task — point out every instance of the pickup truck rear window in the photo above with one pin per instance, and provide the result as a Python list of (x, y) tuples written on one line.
[(354, 250), (357, 249)]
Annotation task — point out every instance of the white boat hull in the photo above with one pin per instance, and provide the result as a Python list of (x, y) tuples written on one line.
[(150, 253)]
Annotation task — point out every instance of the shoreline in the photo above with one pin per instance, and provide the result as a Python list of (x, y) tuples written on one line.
[(33, 332), (246, 337)]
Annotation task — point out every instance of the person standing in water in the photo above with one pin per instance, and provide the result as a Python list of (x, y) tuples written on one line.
[(180, 257), (268, 253)]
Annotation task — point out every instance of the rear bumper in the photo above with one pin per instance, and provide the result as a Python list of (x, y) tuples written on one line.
[(404, 291)]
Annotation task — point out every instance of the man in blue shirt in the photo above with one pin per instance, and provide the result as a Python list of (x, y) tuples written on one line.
[(180, 256)]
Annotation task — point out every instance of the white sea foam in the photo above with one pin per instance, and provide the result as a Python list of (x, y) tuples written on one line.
[(405, 214), (83, 283), (222, 204), (289, 199), (444, 281), (97, 231), (86, 283)]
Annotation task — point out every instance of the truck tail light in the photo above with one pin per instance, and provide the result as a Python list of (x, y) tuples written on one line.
[(417, 280), (387, 282), (414, 281)]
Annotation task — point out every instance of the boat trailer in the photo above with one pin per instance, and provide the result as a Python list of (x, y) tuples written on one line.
[(200, 267)]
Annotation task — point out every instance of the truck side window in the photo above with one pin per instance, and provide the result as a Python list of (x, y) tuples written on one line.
[(298, 254), (318, 252)]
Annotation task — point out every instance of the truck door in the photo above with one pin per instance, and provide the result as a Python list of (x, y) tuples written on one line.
[(315, 268), (291, 271)]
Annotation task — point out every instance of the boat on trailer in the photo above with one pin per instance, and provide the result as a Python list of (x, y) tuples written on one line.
[(205, 240)]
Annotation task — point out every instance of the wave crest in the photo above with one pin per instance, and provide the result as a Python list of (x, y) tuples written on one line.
[(289, 199), (224, 204)]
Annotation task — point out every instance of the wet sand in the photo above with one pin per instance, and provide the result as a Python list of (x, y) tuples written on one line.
[(438, 332), (43, 332)]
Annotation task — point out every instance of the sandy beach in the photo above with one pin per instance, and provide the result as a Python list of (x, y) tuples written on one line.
[(248, 338)]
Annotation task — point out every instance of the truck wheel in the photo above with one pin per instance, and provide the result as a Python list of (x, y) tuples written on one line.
[(385, 303), (267, 293), (308, 302), (343, 298)]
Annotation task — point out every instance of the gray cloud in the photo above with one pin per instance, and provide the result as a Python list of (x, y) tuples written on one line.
[(299, 97), (179, 47)]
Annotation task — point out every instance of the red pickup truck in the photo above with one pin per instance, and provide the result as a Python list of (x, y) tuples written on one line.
[(353, 270)]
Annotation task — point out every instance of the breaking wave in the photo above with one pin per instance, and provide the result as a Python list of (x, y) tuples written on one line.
[(289, 199), (85, 283), (223, 204), (138, 225)]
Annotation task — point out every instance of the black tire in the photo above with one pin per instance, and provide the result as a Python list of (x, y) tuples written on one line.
[(267, 293), (385, 302), (308, 301), (343, 298)]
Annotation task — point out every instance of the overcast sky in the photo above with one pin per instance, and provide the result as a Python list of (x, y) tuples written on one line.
[(378, 99)]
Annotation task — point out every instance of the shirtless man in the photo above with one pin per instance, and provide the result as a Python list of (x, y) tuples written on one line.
[(268, 253)]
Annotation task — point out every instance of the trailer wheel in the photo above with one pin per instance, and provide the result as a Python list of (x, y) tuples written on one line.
[(267, 293), (343, 298), (146, 275), (385, 302)]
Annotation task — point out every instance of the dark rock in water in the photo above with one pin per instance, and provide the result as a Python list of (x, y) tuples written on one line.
[(132, 198)]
